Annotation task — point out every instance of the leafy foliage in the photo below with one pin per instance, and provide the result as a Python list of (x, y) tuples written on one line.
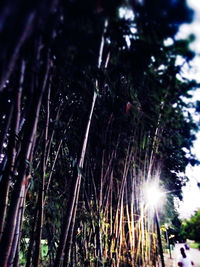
[(190, 228)]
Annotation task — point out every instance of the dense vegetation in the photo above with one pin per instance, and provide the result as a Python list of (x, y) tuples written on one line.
[(91, 110), (190, 229)]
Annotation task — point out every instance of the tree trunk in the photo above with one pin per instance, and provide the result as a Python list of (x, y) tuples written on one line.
[(32, 238), (4, 130), (11, 64), (17, 229), (6, 179), (73, 205), (36, 215), (41, 197), (68, 249), (31, 127)]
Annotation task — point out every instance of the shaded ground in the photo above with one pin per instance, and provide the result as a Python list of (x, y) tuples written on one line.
[(194, 254)]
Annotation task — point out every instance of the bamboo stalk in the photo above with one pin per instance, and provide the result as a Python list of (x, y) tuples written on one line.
[(74, 201), (32, 237), (12, 150), (31, 127), (41, 198), (13, 59), (17, 229)]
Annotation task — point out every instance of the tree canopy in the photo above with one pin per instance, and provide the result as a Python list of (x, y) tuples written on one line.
[(190, 228)]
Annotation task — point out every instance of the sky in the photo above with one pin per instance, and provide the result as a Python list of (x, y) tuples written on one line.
[(191, 192)]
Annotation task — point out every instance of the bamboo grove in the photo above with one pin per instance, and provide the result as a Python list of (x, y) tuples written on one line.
[(91, 109)]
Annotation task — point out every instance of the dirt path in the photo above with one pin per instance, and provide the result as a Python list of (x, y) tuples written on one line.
[(169, 262), (194, 254)]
